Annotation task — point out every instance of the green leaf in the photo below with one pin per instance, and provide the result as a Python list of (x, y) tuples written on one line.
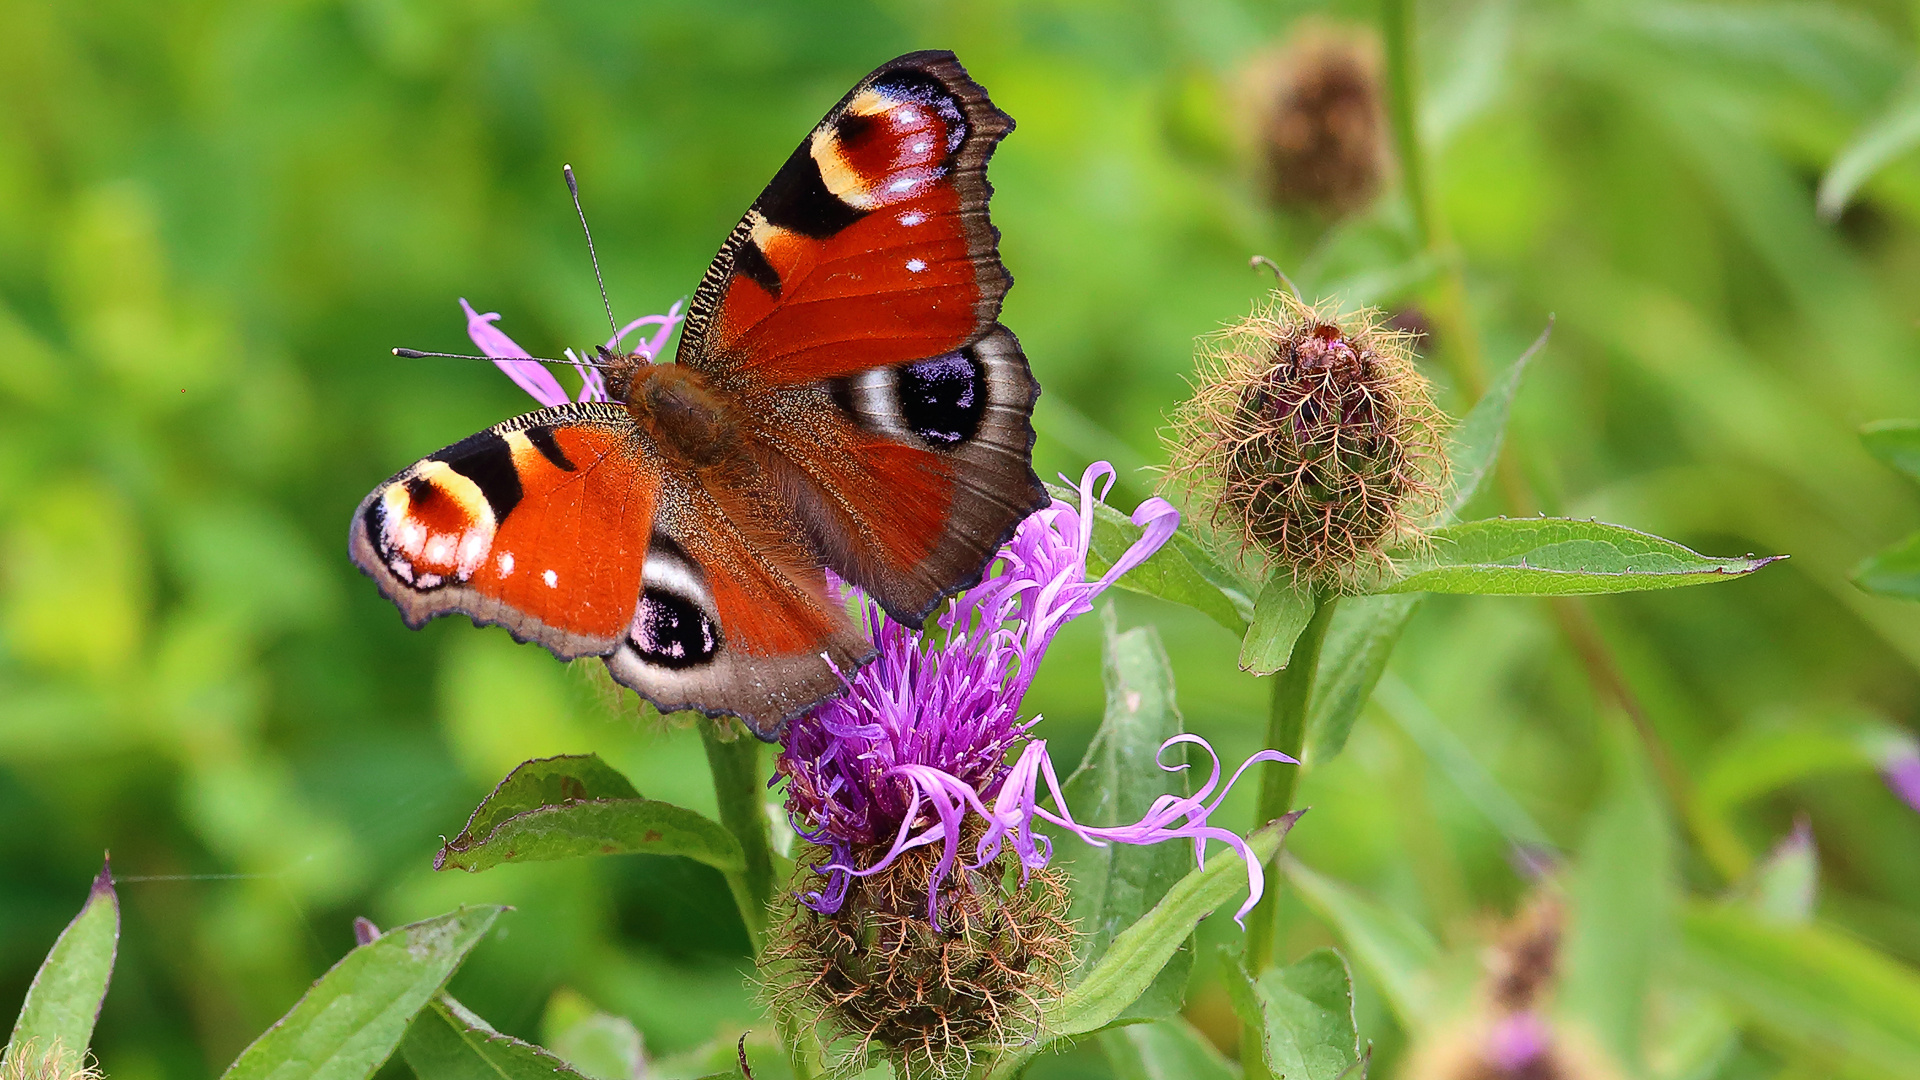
[(447, 1042), (1622, 890), (1116, 784), (1450, 755), (1473, 447), (1893, 571), (1284, 609), (1396, 951), (1786, 884), (1896, 442), (1139, 952), (1557, 557), (351, 1019), (1182, 571), (598, 1044), (1303, 1012), (1365, 629), (63, 1001), (1887, 136), (1166, 1050), (1810, 983), (567, 807)]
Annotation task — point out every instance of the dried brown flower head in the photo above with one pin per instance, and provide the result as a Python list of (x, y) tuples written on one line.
[(875, 979), (1311, 441), (1321, 125)]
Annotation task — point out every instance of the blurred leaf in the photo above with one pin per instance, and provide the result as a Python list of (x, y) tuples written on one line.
[(1473, 447), (1448, 754), (1116, 784), (1786, 884), (349, 1022), (1304, 1013), (63, 1001), (574, 805), (1183, 571), (1359, 643), (720, 1058), (1284, 610), (1752, 764), (1138, 952), (1896, 442), (1887, 136), (1165, 1050), (1810, 983), (597, 1043), (1399, 953), (1621, 892), (448, 1042), (1557, 557), (1893, 571)]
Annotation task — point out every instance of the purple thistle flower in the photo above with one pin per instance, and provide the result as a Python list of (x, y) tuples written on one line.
[(923, 734), (1517, 1041), (533, 376), (1902, 774)]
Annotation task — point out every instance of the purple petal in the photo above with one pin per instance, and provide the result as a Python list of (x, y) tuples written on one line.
[(532, 376), (649, 346), (1517, 1041), (1902, 773)]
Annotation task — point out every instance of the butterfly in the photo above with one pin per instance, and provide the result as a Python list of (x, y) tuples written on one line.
[(843, 398)]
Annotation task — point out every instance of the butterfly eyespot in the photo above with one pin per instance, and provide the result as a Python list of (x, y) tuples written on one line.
[(671, 631), (942, 400)]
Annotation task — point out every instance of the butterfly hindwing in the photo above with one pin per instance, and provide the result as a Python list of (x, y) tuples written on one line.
[(855, 309)]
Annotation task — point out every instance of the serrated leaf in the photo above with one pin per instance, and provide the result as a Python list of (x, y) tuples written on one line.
[(448, 1042), (1284, 610), (350, 1020), (1359, 642), (1893, 571), (1141, 950), (1116, 784), (1182, 571), (1303, 1012), (1896, 442), (1557, 557), (1165, 1050), (1810, 983), (63, 1001), (1473, 447), (1396, 951), (576, 805)]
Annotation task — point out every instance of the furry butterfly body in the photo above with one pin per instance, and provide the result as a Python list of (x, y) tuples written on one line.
[(843, 398)]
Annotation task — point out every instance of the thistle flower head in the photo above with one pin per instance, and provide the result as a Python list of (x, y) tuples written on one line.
[(30, 1062), (1311, 441), (1321, 127), (920, 789)]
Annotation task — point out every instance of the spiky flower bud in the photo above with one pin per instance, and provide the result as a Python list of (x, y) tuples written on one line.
[(29, 1062), (1322, 131), (877, 979), (1311, 441)]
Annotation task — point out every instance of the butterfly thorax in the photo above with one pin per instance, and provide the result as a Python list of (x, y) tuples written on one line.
[(683, 413)]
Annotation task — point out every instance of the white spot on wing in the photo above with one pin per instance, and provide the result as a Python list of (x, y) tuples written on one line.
[(506, 563), (912, 218), (916, 265), (552, 579)]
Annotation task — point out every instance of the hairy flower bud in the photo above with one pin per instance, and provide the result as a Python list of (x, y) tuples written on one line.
[(1321, 128), (1311, 441), (29, 1062), (876, 979)]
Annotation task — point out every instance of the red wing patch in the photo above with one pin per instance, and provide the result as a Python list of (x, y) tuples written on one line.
[(539, 525), (871, 246)]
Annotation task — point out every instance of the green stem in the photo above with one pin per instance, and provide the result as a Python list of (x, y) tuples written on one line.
[(738, 784), (1287, 733)]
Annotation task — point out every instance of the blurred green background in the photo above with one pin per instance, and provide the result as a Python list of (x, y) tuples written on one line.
[(216, 218)]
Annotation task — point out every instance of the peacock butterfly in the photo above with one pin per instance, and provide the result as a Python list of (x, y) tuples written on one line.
[(843, 397)]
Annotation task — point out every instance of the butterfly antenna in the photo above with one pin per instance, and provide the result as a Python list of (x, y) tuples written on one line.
[(573, 188), (416, 354)]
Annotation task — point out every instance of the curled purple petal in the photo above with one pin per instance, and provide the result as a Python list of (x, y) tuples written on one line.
[(531, 375)]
